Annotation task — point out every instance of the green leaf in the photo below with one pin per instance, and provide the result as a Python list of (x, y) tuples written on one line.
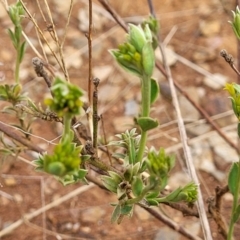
[(12, 36), (137, 186), (117, 178), (153, 194), (116, 214), (109, 183), (81, 174), (147, 123), (127, 210), (173, 195), (236, 214), (232, 177), (154, 90), (132, 151), (238, 129), (148, 59), (152, 202), (22, 51)]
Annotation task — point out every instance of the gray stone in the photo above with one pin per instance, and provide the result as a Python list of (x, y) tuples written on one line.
[(166, 233), (131, 108), (102, 72), (121, 124), (216, 83), (108, 92), (92, 214), (170, 56), (198, 130), (210, 28), (203, 159), (141, 213), (187, 109), (222, 149)]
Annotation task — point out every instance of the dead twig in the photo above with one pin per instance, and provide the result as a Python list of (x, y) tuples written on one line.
[(214, 208), (6, 130), (230, 60)]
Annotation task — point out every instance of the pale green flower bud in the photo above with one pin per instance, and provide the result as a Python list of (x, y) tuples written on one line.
[(236, 22), (137, 37)]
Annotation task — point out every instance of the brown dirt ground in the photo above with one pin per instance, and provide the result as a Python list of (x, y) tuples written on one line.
[(29, 183)]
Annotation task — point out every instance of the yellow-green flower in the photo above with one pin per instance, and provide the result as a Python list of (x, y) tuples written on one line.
[(234, 92)]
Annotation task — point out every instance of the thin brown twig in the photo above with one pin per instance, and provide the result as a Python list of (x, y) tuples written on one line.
[(230, 60), (60, 47), (114, 14), (67, 23), (41, 33), (170, 223), (214, 208), (6, 130), (96, 118), (105, 140), (41, 12)]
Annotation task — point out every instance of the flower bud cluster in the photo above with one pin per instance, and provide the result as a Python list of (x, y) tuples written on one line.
[(66, 98), (136, 55)]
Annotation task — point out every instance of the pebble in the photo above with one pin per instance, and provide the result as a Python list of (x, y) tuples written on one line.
[(121, 124), (102, 72), (166, 233), (222, 149), (142, 214), (170, 56), (187, 109), (108, 92), (203, 159), (10, 182), (203, 55), (178, 179), (165, 90), (18, 198), (210, 28), (92, 214), (131, 108), (198, 130), (62, 6), (217, 82)]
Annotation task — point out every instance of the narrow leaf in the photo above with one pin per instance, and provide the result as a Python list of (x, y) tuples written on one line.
[(147, 123), (137, 186), (232, 177), (236, 214), (154, 90), (116, 214)]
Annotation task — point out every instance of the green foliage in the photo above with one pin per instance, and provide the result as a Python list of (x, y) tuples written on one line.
[(147, 123), (236, 22), (16, 14), (234, 92), (12, 93), (159, 163), (154, 90), (64, 160), (154, 27), (136, 55), (66, 98), (232, 176)]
